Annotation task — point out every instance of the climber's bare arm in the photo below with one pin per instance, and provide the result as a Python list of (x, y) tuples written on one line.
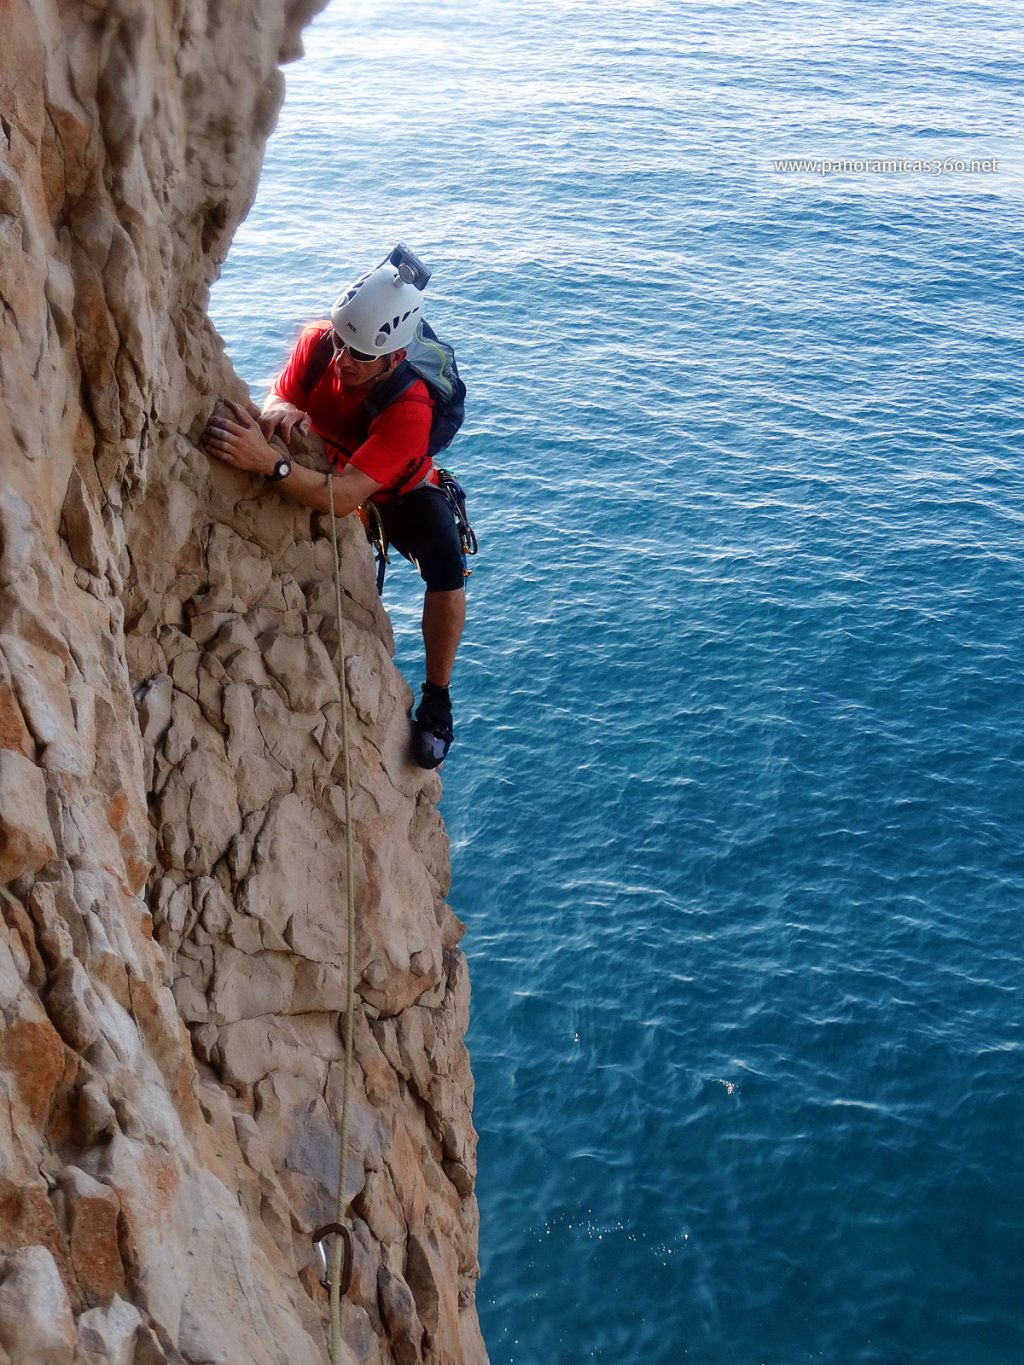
[(310, 488), (239, 442)]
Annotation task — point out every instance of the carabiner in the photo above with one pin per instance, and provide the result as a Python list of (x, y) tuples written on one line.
[(319, 1238)]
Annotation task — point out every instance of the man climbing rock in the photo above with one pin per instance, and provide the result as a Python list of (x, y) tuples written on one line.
[(351, 382)]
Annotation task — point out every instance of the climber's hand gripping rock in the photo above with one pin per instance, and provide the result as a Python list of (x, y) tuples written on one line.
[(283, 418), (239, 442)]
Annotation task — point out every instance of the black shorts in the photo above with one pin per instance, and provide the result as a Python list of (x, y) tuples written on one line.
[(421, 525)]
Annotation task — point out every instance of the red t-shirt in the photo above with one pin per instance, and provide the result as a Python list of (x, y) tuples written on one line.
[(396, 439)]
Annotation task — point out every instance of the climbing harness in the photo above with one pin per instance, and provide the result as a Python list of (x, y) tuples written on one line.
[(339, 1276), (373, 525)]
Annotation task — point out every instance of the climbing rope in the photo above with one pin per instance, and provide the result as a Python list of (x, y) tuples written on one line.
[(342, 1237)]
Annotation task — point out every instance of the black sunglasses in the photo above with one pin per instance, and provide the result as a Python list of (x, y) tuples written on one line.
[(340, 346)]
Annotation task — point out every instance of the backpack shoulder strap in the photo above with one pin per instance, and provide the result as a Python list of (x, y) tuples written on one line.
[(401, 378), (398, 382), (320, 356)]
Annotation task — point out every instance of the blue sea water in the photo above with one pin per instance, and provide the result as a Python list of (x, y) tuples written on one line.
[(738, 784)]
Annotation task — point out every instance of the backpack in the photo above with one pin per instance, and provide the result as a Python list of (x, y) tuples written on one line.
[(430, 359)]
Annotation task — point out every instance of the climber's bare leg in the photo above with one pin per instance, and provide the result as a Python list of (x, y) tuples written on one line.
[(444, 615)]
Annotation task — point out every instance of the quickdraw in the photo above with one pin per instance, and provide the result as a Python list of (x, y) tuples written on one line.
[(456, 496), (373, 525)]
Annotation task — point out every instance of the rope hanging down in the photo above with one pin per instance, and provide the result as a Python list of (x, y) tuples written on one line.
[(342, 1237)]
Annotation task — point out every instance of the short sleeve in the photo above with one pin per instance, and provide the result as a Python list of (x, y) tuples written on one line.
[(288, 384)]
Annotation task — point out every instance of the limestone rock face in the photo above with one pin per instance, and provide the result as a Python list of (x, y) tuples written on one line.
[(172, 866)]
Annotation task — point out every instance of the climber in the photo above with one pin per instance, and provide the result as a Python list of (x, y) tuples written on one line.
[(381, 450)]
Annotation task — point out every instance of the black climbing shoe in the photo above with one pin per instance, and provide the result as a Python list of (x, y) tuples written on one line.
[(432, 728)]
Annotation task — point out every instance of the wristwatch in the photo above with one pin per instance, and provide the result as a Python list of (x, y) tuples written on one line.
[(281, 469)]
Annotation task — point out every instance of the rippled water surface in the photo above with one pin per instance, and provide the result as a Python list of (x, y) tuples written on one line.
[(736, 797)]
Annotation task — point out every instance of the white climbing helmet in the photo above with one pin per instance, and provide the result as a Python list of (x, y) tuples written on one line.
[(379, 313)]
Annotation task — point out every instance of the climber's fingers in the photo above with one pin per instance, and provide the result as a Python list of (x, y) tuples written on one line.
[(243, 447), (248, 422), (293, 421)]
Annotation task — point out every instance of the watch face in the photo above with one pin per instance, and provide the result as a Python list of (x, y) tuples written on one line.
[(283, 468)]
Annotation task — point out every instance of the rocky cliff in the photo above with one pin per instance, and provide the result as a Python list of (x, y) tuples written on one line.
[(172, 871)]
